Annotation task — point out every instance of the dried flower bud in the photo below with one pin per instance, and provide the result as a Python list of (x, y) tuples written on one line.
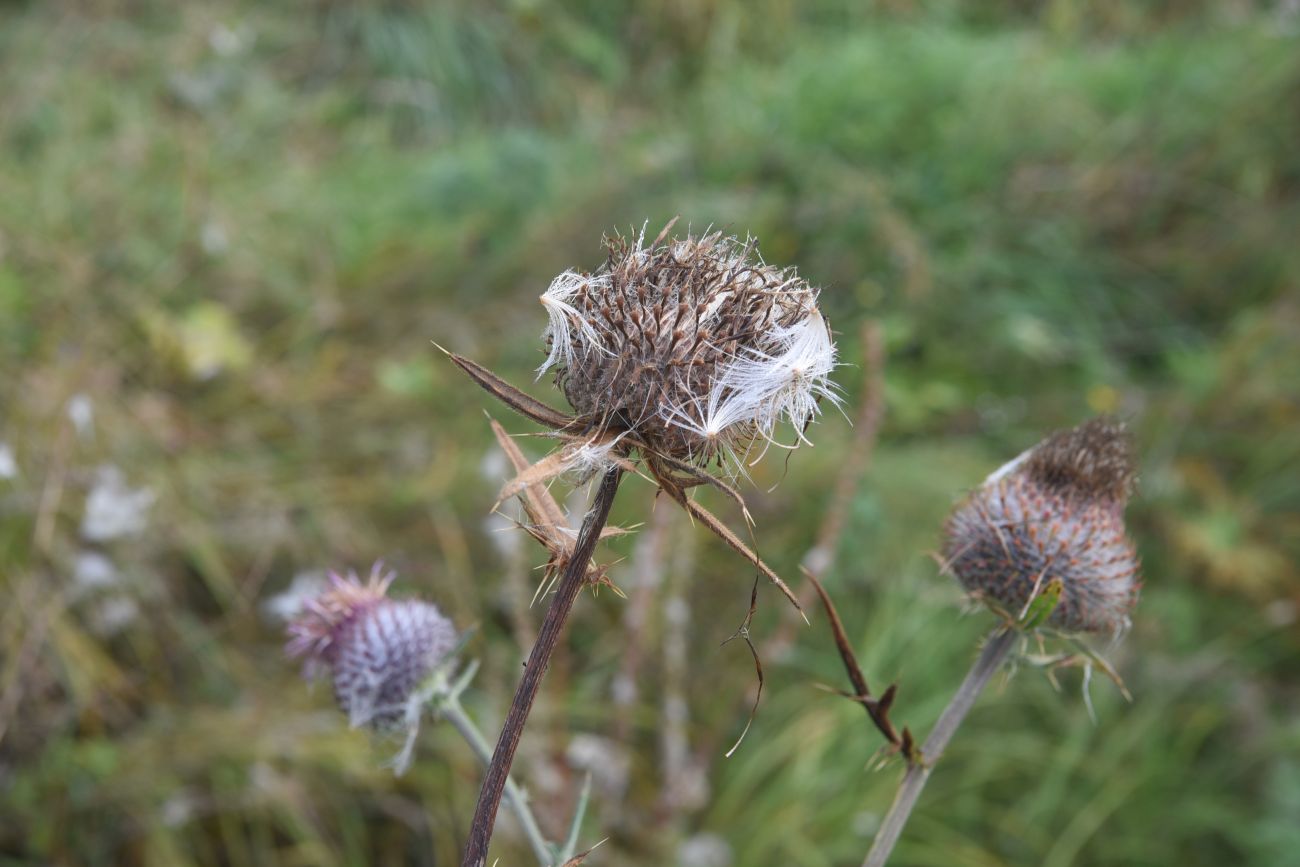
[(380, 652), (695, 346), (1055, 512)]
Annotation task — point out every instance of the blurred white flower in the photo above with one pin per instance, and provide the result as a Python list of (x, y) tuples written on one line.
[(494, 467), (607, 762), (81, 412), (705, 850), (305, 586), (224, 41), (178, 809), (623, 690), (113, 509), (866, 823), (8, 466), (502, 531), (113, 615), (1281, 612), (93, 571), (213, 238)]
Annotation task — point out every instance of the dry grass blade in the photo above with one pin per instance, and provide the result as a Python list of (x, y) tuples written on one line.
[(743, 633)]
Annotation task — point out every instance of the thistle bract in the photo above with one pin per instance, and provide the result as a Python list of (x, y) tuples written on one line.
[(695, 345), (380, 653), (1055, 512)]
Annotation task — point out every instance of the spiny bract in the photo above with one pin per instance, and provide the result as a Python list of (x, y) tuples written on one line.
[(694, 345), (1057, 511)]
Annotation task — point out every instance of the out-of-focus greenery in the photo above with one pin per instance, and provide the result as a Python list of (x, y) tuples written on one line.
[(230, 231)]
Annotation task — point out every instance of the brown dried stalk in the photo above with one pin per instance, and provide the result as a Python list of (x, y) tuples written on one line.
[(679, 353), (572, 579)]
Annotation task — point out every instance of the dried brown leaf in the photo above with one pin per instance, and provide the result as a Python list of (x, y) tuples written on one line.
[(877, 709), (550, 467), (723, 532), (512, 397), (541, 507)]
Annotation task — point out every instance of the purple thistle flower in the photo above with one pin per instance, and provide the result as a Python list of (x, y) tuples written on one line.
[(1055, 512), (381, 653)]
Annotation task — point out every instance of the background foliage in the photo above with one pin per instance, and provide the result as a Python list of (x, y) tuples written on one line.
[(229, 232)]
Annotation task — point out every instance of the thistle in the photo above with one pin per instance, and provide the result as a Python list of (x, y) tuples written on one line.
[(695, 348), (381, 653), (1042, 542), (673, 356), (1055, 513)]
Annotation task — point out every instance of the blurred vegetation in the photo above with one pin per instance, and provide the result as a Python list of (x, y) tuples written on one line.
[(229, 232)]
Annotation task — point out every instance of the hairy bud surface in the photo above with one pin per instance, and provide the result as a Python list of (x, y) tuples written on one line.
[(1055, 512), (379, 652)]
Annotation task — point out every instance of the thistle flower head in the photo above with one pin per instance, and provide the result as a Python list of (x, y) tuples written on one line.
[(381, 653), (695, 346), (673, 354), (1055, 512)]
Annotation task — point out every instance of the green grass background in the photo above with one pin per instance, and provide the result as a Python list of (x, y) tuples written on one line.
[(235, 228)]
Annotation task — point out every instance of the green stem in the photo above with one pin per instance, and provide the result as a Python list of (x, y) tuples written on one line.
[(570, 847), (990, 659)]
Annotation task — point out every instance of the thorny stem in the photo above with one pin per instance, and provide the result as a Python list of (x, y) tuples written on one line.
[(451, 710), (990, 659), (571, 581)]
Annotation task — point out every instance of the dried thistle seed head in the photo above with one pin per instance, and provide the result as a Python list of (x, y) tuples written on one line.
[(696, 346), (1055, 512), (380, 652)]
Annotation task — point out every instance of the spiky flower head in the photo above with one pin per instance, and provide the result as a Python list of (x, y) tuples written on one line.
[(693, 346), (1055, 512), (674, 354), (380, 653)]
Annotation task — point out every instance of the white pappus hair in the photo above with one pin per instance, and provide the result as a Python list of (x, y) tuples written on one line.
[(564, 317)]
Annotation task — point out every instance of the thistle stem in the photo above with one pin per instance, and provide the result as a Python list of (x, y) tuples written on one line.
[(557, 613), (995, 652), (451, 710)]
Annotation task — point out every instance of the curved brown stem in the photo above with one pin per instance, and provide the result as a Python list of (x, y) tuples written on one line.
[(571, 581), (877, 708)]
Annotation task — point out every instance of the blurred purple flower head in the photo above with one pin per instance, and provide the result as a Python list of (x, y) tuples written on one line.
[(381, 653), (1055, 512)]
